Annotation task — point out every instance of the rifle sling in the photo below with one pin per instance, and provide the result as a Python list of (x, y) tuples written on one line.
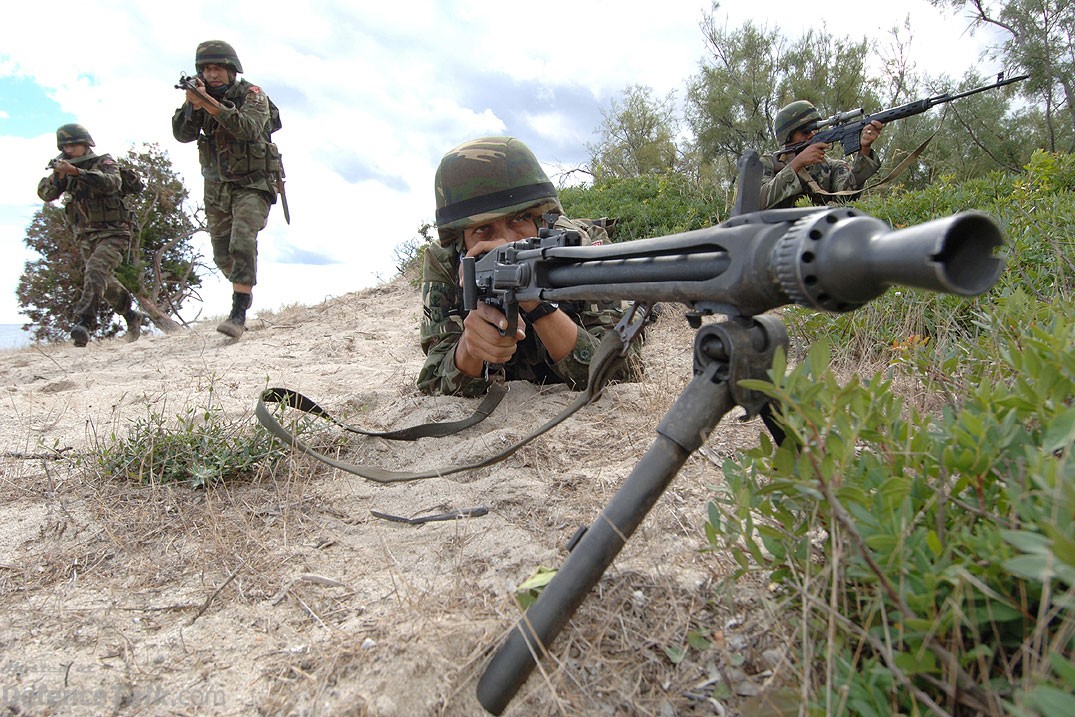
[(815, 188), (603, 366)]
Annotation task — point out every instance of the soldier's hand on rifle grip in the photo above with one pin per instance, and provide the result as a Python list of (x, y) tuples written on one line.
[(813, 154), (482, 342)]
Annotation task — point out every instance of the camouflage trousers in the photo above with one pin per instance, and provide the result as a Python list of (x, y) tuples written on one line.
[(235, 216), (103, 253)]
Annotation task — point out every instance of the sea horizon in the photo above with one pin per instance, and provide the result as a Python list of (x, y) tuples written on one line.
[(13, 337)]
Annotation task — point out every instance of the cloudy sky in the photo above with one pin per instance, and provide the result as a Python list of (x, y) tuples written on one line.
[(372, 94)]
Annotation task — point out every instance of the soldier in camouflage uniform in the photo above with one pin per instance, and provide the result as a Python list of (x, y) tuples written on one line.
[(492, 191), (811, 172), (232, 122), (101, 219)]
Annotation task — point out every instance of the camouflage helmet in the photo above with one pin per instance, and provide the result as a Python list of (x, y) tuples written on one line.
[(217, 52), (485, 179), (73, 134), (794, 117)]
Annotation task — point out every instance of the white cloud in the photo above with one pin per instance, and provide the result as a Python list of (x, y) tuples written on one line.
[(371, 96)]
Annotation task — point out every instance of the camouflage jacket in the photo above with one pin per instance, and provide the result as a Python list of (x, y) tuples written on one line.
[(94, 196), (780, 186), (442, 327), (234, 146)]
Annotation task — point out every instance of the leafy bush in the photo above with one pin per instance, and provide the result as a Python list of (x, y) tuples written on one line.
[(1036, 212), (647, 206), (933, 556)]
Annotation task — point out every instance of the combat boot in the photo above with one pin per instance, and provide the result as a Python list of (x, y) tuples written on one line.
[(235, 325), (80, 332), (134, 324)]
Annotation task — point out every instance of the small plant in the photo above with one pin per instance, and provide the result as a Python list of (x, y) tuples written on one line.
[(199, 447)]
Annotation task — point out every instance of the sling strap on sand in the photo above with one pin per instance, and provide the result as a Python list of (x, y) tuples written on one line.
[(605, 363)]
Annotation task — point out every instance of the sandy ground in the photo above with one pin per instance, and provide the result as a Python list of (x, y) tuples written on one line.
[(281, 594)]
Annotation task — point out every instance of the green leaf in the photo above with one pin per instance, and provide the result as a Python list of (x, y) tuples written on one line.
[(675, 654), (1060, 432), (1031, 567), (698, 641), (1026, 541), (916, 664), (933, 541), (1064, 668), (1051, 701)]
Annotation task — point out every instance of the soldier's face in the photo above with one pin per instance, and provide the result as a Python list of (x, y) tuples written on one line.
[(801, 135), (74, 150), (215, 75), (486, 237)]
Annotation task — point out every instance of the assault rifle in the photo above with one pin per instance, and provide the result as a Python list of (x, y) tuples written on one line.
[(846, 127), (834, 259), (187, 82), (61, 158)]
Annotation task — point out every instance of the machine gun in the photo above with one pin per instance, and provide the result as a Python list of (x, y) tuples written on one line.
[(833, 259), (846, 127)]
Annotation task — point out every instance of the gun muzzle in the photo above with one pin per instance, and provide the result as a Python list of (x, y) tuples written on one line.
[(839, 260)]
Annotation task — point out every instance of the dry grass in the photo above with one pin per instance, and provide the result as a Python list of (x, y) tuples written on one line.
[(281, 595)]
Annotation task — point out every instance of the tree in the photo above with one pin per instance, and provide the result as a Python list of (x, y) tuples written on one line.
[(637, 136), (162, 270), (752, 72), (1041, 40)]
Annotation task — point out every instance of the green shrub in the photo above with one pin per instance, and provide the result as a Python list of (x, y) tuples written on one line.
[(1036, 212), (932, 556)]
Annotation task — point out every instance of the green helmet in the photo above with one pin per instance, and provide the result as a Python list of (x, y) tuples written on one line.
[(793, 117), (217, 52), (485, 179), (73, 134)]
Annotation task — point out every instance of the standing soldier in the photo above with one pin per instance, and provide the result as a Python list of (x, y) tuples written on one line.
[(102, 222), (786, 176), (232, 122)]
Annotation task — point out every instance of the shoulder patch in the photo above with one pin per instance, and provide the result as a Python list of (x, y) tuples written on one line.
[(107, 161), (254, 88)]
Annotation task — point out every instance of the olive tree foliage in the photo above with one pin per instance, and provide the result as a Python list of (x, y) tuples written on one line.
[(752, 71), (637, 136), (162, 268), (1039, 38)]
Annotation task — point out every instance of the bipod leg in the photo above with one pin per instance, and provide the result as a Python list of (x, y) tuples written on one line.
[(683, 430)]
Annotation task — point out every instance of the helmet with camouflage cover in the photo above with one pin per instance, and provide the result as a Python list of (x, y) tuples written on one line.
[(73, 134), (217, 52), (485, 179), (793, 117)]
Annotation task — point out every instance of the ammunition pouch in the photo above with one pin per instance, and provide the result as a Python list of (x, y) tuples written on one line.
[(239, 160)]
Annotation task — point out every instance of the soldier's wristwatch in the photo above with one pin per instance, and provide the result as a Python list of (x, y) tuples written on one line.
[(539, 312)]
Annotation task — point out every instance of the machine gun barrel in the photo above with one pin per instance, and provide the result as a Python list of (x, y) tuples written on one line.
[(834, 259)]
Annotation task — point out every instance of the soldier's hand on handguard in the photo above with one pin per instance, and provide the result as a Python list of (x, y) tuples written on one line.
[(482, 341), (870, 134), (64, 168), (196, 100)]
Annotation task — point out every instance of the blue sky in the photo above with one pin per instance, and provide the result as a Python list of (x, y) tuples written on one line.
[(371, 95)]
